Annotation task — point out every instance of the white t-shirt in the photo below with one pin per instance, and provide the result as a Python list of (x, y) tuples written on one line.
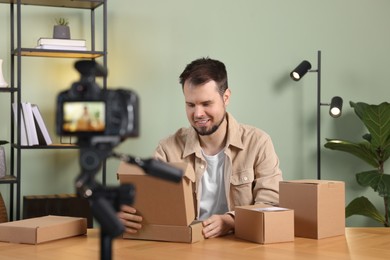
[(213, 198)]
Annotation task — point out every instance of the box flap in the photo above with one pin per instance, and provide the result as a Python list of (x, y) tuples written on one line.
[(130, 169)]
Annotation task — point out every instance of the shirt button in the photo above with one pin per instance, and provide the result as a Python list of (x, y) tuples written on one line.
[(202, 166), (245, 178)]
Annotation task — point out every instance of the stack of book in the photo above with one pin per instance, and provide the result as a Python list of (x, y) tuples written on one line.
[(32, 127), (61, 44)]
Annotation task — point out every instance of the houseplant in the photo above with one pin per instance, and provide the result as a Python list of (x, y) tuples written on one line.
[(374, 150), (3, 166), (61, 29)]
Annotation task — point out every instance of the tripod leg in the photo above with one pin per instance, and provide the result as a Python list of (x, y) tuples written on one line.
[(105, 246)]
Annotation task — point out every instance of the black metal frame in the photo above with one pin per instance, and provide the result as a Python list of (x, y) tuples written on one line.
[(15, 88)]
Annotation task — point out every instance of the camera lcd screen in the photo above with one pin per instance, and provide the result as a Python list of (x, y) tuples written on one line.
[(84, 116)]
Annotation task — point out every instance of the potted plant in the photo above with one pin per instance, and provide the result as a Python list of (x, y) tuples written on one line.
[(375, 151), (3, 166), (61, 29)]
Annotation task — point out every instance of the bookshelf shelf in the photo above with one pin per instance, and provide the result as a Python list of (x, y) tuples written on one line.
[(80, 4), (10, 179), (8, 89), (47, 147), (32, 52)]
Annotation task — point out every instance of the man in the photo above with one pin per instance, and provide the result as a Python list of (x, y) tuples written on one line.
[(234, 164)]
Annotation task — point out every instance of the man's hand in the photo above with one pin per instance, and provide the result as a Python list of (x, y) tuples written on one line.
[(131, 221), (218, 225)]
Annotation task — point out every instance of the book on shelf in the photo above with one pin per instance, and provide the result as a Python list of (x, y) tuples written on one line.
[(62, 42), (43, 135), (31, 130), (61, 47), (23, 133)]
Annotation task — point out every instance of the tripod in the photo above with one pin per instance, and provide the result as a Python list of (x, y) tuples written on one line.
[(106, 201)]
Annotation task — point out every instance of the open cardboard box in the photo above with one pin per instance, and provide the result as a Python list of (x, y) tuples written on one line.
[(264, 224), (319, 206), (42, 229), (167, 208)]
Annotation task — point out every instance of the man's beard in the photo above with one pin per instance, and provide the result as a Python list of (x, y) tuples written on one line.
[(204, 131)]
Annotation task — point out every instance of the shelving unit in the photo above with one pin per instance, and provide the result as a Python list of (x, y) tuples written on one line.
[(14, 179)]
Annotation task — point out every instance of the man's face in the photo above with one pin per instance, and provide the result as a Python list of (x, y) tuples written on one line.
[(205, 107)]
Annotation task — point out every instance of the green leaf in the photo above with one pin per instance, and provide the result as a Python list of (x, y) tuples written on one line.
[(367, 137), (377, 120), (362, 206), (361, 150), (379, 182), (2, 142)]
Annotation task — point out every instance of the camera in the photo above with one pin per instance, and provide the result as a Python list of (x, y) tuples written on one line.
[(86, 110), (100, 119)]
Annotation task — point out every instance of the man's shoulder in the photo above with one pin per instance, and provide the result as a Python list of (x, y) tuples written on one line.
[(172, 147), (242, 129), (242, 135), (252, 130), (178, 138)]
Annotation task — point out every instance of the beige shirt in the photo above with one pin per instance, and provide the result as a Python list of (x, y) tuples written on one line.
[(252, 173)]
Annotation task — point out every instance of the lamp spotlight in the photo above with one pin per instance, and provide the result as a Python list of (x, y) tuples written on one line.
[(336, 106), (300, 70)]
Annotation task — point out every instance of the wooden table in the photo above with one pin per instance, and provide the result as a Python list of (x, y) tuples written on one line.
[(358, 243)]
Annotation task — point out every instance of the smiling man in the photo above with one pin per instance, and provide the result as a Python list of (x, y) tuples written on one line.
[(235, 164)]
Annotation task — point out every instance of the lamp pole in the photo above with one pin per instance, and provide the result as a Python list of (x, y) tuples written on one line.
[(319, 104), (319, 115)]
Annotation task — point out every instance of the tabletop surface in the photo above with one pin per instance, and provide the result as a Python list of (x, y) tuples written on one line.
[(357, 243)]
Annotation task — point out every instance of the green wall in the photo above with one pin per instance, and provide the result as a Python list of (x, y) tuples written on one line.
[(150, 42)]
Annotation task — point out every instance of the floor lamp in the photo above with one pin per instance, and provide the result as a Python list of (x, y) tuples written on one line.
[(335, 104)]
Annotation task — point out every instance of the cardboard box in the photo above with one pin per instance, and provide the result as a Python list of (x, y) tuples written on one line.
[(167, 208), (42, 229), (319, 206), (264, 224)]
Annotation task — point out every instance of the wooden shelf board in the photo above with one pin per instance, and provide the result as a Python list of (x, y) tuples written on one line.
[(51, 146), (8, 89), (32, 52), (82, 4), (8, 179)]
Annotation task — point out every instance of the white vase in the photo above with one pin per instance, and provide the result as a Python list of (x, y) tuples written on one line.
[(3, 83), (3, 166)]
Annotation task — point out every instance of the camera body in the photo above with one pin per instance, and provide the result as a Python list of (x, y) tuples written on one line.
[(86, 110)]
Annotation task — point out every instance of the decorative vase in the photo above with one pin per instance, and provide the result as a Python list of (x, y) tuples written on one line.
[(3, 166), (61, 32), (3, 83)]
